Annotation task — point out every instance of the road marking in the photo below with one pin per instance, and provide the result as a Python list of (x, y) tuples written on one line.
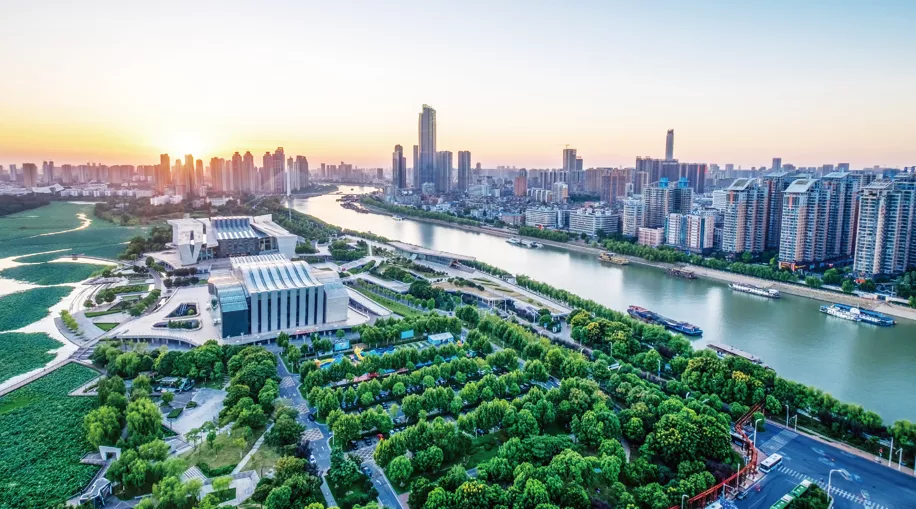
[(835, 491), (313, 434), (776, 443), (288, 382)]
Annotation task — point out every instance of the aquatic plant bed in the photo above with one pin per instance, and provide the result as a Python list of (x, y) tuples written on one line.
[(52, 273), (22, 308), (21, 353), (42, 441)]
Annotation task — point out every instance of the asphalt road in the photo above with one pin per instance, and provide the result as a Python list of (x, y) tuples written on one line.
[(289, 389), (870, 484)]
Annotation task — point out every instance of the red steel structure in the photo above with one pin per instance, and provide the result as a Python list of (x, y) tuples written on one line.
[(733, 482)]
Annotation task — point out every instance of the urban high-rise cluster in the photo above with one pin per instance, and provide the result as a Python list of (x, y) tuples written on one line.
[(432, 169)]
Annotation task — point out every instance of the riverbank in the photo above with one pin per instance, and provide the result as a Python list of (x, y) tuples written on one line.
[(704, 272)]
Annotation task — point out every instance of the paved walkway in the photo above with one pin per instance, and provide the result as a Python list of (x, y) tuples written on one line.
[(257, 445)]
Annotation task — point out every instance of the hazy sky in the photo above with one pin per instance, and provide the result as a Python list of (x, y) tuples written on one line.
[(513, 82)]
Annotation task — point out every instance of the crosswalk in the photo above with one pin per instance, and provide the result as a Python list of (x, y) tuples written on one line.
[(303, 409), (287, 382), (313, 434), (365, 453), (835, 491), (777, 442)]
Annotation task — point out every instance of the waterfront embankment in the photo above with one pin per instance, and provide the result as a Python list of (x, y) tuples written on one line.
[(704, 272)]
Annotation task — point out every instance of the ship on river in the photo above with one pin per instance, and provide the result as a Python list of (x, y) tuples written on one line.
[(770, 293), (855, 314), (684, 273), (644, 315), (612, 258)]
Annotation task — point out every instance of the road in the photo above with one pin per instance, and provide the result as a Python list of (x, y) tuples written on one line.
[(320, 435), (871, 485)]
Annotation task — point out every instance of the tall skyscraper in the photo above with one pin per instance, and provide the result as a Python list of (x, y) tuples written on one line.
[(695, 173), (443, 171), (198, 174), (885, 238), (464, 170), (777, 164), (415, 177), (613, 185), (217, 175), (745, 217), (843, 189), (579, 163), (775, 184), (669, 145), (399, 168), (302, 170), (187, 176), (162, 173), (292, 173), (663, 198), (29, 175), (427, 145), (803, 238), (250, 174), (520, 185), (569, 159)]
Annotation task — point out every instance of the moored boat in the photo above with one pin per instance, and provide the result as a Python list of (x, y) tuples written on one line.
[(612, 258), (858, 315), (770, 293), (644, 315), (684, 273)]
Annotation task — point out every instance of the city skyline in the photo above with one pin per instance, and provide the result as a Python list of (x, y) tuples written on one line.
[(731, 98)]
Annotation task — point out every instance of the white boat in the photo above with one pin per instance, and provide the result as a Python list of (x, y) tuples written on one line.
[(771, 293), (515, 241), (851, 315), (530, 244), (397, 218)]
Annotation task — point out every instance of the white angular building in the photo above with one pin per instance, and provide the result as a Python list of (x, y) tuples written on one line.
[(198, 239), (271, 293)]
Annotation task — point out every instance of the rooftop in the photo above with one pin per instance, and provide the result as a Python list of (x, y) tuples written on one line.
[(801, 186), (740, 184), (410, 248), (264, 273)]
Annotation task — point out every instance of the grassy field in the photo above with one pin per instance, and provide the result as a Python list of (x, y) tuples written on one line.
[(42, 440), (223, 452), (20, 353), (106, 326), (263, 460), (22, 308), (52, 273), (23, 233), (395, 307)]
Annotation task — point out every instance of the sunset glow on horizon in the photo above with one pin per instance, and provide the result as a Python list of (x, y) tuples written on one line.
[(512, 82)]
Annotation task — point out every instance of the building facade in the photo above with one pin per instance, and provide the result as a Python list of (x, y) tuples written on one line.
[(426, 146), (593, 221), (691, 232), (541, 217), (399, 168), (885, 239), (744, 217), (464, 170), (804, 224)]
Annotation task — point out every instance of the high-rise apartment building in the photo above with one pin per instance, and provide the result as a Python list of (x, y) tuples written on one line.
[(520, 185), (663, 198), (464, 170), (162, 173), (415, 177), (188, 182), (843, 190), (398, 168), (237, 184), (569, 159), (690, 232), (803, 239), (427, 146), (634, 216), (217, 174), (745, 217), (302, 172), (198, 174), (614, 186), (777, 164), (443, 171), (775, 184), (29, 175), (695, 173), (250, 173), (560, 192), (669, 145), (885, 238)]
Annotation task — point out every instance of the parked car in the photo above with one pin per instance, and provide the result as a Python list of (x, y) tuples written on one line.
[(311, 417)]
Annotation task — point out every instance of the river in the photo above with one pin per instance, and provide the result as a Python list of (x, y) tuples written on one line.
[(856, 363)]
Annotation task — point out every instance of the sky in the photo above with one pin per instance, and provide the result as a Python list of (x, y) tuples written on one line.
[(514, 82)]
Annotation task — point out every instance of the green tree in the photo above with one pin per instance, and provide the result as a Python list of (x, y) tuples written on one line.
[(168, 397), (399, 470), (848, 286), (346, 428), (102, 426), (143, 421), (286, 431)]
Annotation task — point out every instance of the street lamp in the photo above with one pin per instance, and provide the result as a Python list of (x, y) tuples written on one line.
[(842, 472), (755, 431), (787, 415), (682, 500)]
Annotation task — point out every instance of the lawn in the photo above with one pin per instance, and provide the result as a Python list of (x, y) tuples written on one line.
[(263, 460), (93, 314), (20, 353), (223, 453), (106, 326), (42, 440), (396, 307), (22, 308), (52, 273)]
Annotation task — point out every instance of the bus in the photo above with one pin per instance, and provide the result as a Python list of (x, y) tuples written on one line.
[(783, 502), (800, 490), (767, 464)]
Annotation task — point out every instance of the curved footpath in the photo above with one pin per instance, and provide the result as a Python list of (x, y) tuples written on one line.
[(718, 275)]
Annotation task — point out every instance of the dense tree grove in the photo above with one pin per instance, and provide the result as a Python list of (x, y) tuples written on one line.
[(418, 213)]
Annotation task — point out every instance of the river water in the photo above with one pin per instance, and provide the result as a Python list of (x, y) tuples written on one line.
[(857, 363)]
